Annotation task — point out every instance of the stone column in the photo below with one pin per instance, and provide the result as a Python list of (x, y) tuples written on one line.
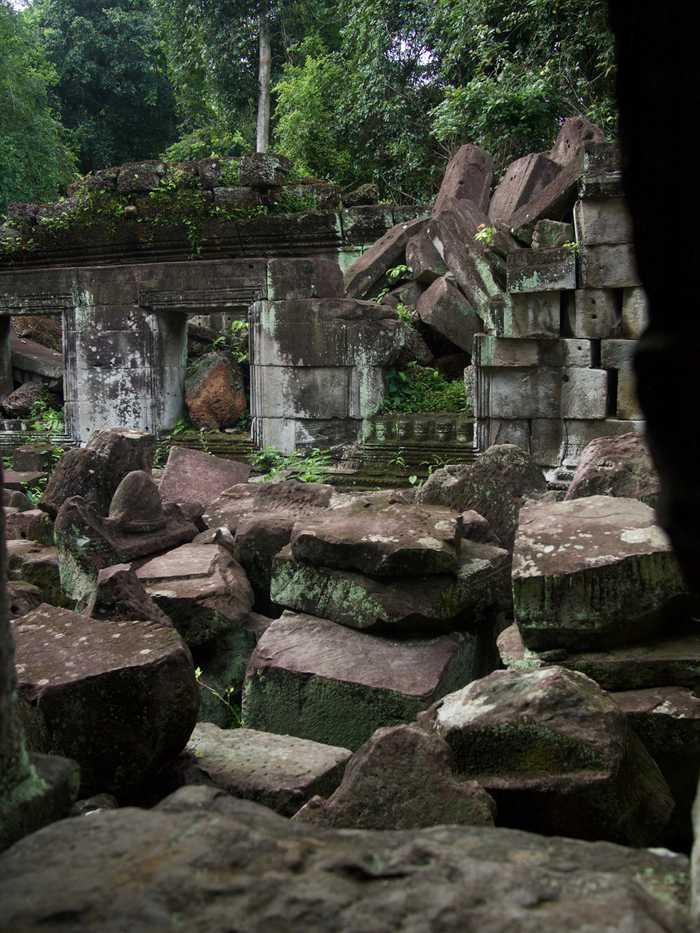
[(5, 356)]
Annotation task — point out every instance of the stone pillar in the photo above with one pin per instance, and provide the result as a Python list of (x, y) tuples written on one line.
[(5, 356), (125, 367)]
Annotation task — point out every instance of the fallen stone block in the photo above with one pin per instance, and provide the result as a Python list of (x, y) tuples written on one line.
[(591, 572), (290, 497), (603, 222), (200, 587), (14, 499), (193, 476), (140, 177), (309, 881), (35, 458), (278, 771), (317, 680), (37, 564), (258, 538), (120, 699), (584, 393), (594, 313), (521, 181), (96, 470), (556, 754), (467, 178), (423, 259), (444, 308), (18, 482), (616, 466), (574, 133), (378, 791), (379, 540), (237, 198), (367, 271), (30, 524), (576, 435), (426, 604), (553, 202), (609, 267), (552, 234), (495, 486), (22, 597), (543, 270), (119, 595)]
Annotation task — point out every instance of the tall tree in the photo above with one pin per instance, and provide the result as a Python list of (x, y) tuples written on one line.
[(35, 159), (113, 88)]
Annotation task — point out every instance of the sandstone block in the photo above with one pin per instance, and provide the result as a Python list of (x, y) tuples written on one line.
[(214, 392), (575, 132), (263, 169), (602, 222), (467, 178), (542, 270), (31, 524), (609, 267), (444, 308), (534, 314), (552, 234), (289, 279), (553, 202), (594, 313), (425, 262), (616, 466), (584, 393), (191, 476), (591, 572), (373, 264), (287, 498), (521, 181), (317, 680), (635, 313)]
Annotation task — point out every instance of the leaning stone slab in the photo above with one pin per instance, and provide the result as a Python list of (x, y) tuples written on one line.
[(373, 264), (423, 259), (574, 133), (425, 604), (120, 699), (467, 178), (591, 572), (553, 202), (303, 880), (200, 587), (317, 680), (556, 753), (379, 540), (520, 183), (444, 308), (279, 771), (192, 476), (379, 791)]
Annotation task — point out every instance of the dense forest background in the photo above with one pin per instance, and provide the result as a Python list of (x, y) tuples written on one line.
[(362, 90)]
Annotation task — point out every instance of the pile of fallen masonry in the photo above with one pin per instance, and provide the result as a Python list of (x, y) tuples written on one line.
[(396, 672)]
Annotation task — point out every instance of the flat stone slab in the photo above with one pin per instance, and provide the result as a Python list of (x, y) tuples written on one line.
[(379, 540), (158, 869), (280, 771), (591, 572), (201, 588), (20, 481), (120, 698), (555, 752), (291, 497), (481, 585), (193, 476), (315, 679)]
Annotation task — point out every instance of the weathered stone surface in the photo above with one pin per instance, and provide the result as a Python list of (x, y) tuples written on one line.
[(30, 524), (214, 392), (223, 662), (591, 572), (497, 352), (16, 482), (193, 476), (317, 680), (533, 314), (520, 183), (292, 279), (379, 540), (555, 751), (467, 177), (584, 393), (136, 507), (553, 202), (95, 471), (32, 457), (36, 564), (238, 197), (290, 497), (22, 598), (119, 595), (401, 779), (14, 499), (263, 169), (444, 308), (86, 543), (594, 313), (369, 269), (140, 177), (609, 267), (18, 404), (279, 771), (635, 313), (616, 466), (426, 604), (602, 222), (542, 270), (576, 435), (200, 587), (120, 699), (423, 259), (278, 874), (258, 538), (366, 194), (97, 802), (495, 487), (574, 133), (552, 234)]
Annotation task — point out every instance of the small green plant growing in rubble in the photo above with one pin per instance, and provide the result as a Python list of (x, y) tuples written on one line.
[(309, 466), (484, 234), (571, 246), (398, 273), (226, 698), (404, 314)]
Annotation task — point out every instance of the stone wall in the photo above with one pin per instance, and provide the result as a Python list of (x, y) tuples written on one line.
[(557, 370)]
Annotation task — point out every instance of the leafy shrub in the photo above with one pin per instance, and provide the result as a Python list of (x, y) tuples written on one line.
[(422, 389)]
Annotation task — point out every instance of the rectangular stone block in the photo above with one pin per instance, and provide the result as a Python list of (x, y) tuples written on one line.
[(541, 270), (503, 431), (521, 180), (617, 354), (494, 352), (553, 202), (578, 434), (533, 314), (584, 393), (627, 402), (524, 393), (594, 313), (303, 278), (635, 313), (609, 267), (545, 441), (550, 234), (292, 392), (602, 222)]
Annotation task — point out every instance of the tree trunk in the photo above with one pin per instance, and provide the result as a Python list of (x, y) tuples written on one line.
[(264, 71)]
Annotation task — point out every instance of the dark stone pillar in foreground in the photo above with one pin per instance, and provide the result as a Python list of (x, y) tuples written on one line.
[(33, 790), (658, 95)]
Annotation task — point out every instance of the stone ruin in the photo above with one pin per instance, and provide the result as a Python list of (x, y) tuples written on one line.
[(225, 673)]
